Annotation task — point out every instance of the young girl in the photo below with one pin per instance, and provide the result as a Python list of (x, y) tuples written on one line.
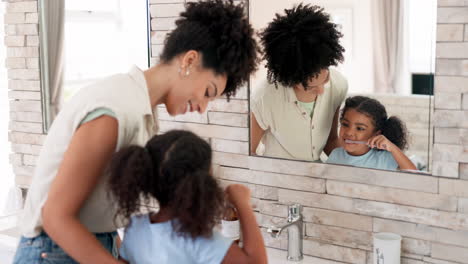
[(370, 138), (175, 169), (68, 216)]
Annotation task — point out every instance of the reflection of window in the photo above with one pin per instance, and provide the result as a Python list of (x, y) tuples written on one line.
[(343, 17), (421, 34), (102, 38), (422, 16)]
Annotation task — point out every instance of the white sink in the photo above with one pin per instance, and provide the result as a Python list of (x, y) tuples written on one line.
[(277, 256)]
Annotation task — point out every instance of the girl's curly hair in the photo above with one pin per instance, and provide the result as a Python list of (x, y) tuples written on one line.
[(299, 44), (222, 33), (391, 127), (174, 168)]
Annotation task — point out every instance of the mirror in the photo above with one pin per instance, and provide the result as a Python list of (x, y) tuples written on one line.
[(84, 40), (389, 56)]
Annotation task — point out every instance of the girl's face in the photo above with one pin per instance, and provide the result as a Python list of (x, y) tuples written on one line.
[(194, 91), (358, 127)]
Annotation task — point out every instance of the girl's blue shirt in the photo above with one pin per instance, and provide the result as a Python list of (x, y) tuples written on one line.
[(374, 159), (146, 242)]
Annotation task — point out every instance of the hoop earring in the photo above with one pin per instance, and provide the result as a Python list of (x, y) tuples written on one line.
[(186, 73), (182, 72)]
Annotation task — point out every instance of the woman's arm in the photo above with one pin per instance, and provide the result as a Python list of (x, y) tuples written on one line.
[(256, 134), (333, 141), (253, 250), (87, 156)]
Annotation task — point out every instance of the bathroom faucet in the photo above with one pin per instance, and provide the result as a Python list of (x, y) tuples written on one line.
[(294, 225)]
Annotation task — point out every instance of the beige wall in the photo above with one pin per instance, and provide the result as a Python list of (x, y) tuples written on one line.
[(343, 206)]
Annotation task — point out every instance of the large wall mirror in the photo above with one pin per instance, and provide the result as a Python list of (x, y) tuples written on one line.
[(84, 40), (389, 56)]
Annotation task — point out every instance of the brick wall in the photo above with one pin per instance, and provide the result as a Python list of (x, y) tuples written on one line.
[(22, 41), (343, 206), (450, 156)]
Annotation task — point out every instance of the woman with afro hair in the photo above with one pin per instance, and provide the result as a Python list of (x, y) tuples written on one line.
[(68, 215), (295, 110)]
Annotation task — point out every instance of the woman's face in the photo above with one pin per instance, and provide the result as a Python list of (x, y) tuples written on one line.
[(357, 127), (193, 91), (316, 85)]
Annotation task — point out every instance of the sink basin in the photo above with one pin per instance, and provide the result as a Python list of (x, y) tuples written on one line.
[(277, 256)]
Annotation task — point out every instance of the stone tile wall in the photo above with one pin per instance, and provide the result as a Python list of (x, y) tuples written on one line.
[(26, 129)]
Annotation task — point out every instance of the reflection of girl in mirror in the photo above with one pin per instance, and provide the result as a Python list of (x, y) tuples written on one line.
[(370, 138), (68, 216), (295, 111), (175, 169)]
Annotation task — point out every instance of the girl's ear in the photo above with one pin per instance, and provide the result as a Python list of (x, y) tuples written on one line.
[(378, 132)]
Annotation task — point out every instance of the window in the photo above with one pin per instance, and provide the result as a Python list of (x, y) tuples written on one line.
[(103, 38)]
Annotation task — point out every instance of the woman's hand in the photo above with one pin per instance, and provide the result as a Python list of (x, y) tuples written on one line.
[(381, 142)]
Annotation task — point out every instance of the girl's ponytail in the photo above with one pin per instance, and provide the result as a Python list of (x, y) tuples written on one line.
[(129, 171), (198, 205), (395, 131)]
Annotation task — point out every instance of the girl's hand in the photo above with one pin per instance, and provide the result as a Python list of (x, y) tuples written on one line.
[(238, 194), (381, 142)]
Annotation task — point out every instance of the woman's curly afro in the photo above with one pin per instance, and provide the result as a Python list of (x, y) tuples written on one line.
[(222, 33), (299, 44)]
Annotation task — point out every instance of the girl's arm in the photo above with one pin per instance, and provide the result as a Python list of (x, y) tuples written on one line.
[(253, 250), (381, 142), (87, 156), (333, 141), (256, 134)]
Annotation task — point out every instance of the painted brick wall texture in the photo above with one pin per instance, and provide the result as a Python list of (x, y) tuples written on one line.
[(22, 45)]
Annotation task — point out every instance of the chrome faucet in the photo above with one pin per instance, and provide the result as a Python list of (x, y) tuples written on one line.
[(295, 230)]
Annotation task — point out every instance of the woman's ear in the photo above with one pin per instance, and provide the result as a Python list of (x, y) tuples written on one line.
[(378, 132), (190, 58)]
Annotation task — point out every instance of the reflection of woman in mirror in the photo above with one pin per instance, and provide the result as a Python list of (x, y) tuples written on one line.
[(295, 112), (68, 213), (370, 138)]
